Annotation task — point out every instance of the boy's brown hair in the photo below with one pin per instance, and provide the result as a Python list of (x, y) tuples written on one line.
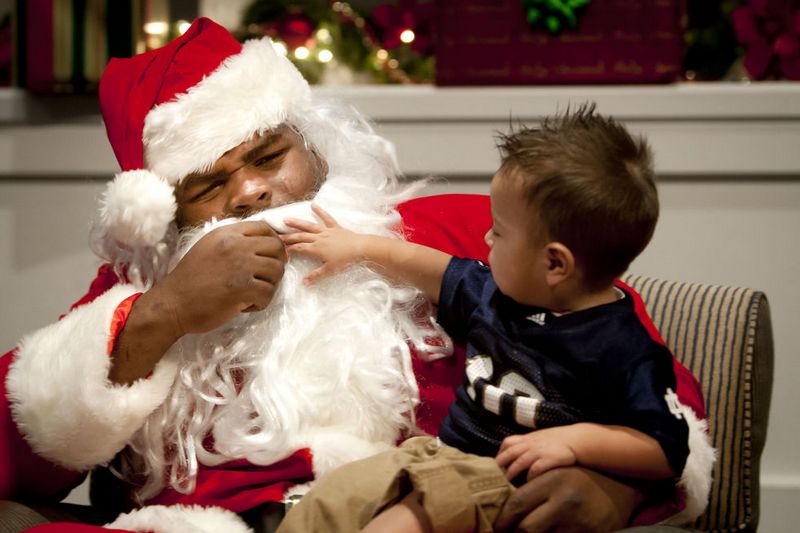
[(591, 184)]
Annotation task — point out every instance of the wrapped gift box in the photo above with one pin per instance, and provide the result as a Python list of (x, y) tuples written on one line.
[(64, 45), (489, 42)]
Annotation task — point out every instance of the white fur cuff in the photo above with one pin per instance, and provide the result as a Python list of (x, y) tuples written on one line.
[(181, 519), (60, 395), (696, 479)]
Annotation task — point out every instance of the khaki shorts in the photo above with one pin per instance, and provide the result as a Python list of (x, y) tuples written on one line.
[(459, 492)]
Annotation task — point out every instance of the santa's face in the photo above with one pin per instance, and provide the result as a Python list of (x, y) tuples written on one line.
[(272, 169)]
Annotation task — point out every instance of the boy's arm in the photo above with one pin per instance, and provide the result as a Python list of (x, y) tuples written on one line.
[(337, 248), (617, 450)]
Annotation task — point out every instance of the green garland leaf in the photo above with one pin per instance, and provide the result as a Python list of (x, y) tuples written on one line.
[(554, 15)]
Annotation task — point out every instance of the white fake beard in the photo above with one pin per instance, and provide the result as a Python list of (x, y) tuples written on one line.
[(325, 367)]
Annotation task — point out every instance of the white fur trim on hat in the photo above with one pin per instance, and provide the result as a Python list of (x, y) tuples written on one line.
[(250, 92), (61, 398), (137, 208), (180, 519), (696, 479)]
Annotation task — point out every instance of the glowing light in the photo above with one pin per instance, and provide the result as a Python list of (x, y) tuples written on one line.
[(324, 56), (156, 28), (183, 25), (301, 52), (280, 48), (407, 36), (393, 63), (382, 55), (323, 35)]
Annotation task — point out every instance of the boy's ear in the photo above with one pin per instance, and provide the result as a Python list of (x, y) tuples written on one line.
[(560, 263)]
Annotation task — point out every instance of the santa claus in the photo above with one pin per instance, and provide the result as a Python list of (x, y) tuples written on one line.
[(200, 367)]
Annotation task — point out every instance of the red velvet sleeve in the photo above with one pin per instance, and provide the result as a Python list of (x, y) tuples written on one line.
[(23, 474)]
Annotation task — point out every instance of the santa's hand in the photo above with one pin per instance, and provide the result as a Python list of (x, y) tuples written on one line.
[(537, 452), (569, 499), (232, 269), (334, 246)]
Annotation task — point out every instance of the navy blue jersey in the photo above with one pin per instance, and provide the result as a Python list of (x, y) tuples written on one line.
[(528, 368)]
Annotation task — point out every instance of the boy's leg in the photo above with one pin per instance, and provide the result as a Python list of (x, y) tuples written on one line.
[(348, 498), (406, 516), (458, 492)]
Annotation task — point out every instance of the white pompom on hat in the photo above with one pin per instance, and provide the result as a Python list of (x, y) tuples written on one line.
[(176, 110), (137, 207)]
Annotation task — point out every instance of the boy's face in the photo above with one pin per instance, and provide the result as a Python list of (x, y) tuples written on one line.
[(516, 249)]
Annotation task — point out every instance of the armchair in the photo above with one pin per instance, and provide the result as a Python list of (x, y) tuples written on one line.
[(724, 336)]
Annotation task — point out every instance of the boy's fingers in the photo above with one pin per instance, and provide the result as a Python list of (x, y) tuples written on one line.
[(301, 248), (299, 237), (537, 468), (505, 457), (509, 441), (323, 215), (519, 465), (319, 274), (302, 225), (512, 472)]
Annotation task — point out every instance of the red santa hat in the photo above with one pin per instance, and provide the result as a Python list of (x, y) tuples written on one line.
[(176, 110)]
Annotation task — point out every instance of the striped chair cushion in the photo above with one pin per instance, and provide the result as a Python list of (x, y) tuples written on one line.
[(723, 335)]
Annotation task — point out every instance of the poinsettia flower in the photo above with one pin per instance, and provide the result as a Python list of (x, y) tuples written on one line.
[(770, 31), (785, 45), (790, 66), (745, 25), (392, 20), (761, 7), (295, 29)]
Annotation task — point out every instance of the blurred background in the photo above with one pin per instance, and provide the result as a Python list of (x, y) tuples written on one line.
[(711, 83), (62, 45)]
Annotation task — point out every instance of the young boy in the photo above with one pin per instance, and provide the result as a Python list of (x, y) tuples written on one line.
[(560, 368)]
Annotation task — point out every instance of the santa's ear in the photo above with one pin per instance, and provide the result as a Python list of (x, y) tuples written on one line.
[(560, 263)]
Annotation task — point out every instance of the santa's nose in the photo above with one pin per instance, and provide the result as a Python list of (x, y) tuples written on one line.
[(251, 193)]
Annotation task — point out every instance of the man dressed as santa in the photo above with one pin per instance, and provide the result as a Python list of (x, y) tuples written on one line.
[(200, 367)]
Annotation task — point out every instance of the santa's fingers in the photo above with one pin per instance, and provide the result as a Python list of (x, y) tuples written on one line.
[(324, 216)]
